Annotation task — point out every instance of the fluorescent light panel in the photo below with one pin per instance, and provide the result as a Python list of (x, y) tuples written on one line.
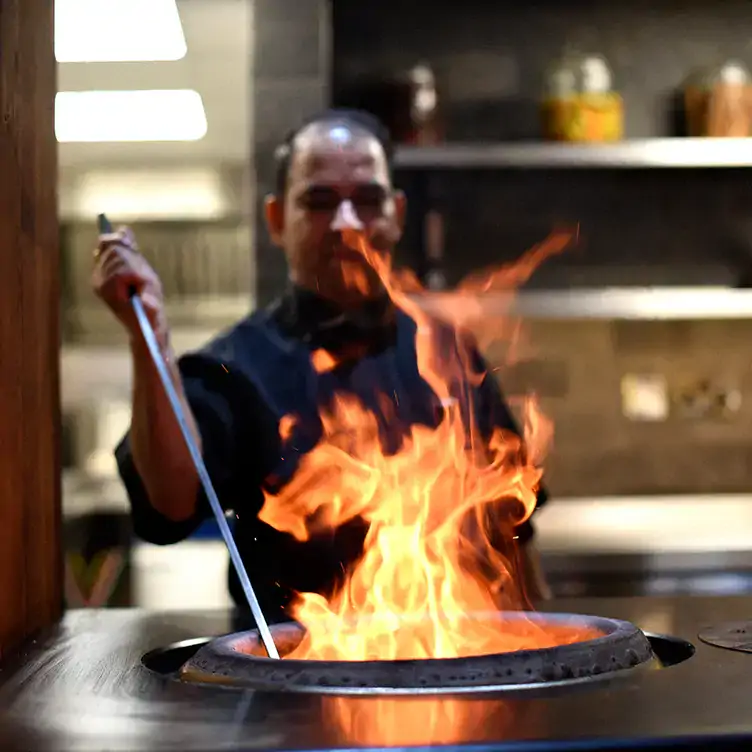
[(100, 31), (119, 116), (125, 195)]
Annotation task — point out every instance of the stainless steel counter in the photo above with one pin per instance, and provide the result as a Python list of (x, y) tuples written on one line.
[(716, 525), (85, 688), (629, 545)]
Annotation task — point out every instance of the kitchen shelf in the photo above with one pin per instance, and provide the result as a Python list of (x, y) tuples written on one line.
[(625, 303), (642, 153)]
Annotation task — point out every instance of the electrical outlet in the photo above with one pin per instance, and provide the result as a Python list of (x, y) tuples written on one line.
[(707, 399)]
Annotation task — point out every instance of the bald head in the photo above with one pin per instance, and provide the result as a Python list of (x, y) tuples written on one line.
[(337, 152), (340, 125), (337, 173)]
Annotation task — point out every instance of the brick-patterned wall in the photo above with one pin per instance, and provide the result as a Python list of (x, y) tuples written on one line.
[(599, 451)]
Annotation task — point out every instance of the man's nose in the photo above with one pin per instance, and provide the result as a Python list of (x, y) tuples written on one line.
[(346, 218)]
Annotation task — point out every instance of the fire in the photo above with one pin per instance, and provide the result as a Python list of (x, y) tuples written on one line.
[(416, 721), (286, 427), (429, 563), (323, 361)]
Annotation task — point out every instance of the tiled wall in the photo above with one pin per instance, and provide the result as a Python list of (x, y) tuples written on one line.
[(291, 81), (491, 58), (599, 451)]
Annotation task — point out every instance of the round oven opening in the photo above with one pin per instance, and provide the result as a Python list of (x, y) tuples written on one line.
[(609, 647)]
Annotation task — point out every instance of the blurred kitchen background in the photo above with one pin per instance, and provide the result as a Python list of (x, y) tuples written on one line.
[(640, 339)]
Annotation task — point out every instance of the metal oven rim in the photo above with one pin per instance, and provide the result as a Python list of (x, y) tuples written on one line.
[(236, 660)]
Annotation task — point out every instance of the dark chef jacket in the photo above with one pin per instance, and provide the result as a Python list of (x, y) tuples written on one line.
[(239, 387)]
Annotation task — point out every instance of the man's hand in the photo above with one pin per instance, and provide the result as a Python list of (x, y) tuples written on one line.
[(119, 271)]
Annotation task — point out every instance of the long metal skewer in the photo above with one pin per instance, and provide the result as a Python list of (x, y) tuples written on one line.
[(198, 461)]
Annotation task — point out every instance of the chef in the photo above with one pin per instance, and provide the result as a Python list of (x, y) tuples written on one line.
[(332, 173)]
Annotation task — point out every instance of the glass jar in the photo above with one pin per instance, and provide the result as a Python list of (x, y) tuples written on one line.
[(718, 101), (580, 103)]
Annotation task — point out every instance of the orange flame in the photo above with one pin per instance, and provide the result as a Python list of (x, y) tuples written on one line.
[(286, 426), (323, 362), (416, 721), (434, 506)]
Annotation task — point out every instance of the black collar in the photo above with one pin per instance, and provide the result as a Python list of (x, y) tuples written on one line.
[(320, 323)]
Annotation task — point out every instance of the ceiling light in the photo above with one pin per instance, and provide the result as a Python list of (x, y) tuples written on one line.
[(153, 194), (113, 116), (99, 31)]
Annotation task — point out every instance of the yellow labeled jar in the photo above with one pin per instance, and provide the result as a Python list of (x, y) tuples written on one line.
[(581, 105)]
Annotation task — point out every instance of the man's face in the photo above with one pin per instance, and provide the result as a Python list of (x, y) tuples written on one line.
[(338, 179)]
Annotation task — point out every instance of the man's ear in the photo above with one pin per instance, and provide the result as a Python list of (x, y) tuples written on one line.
[(275, 217)]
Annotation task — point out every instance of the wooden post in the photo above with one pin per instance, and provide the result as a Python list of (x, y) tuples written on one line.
[(30, 548)]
